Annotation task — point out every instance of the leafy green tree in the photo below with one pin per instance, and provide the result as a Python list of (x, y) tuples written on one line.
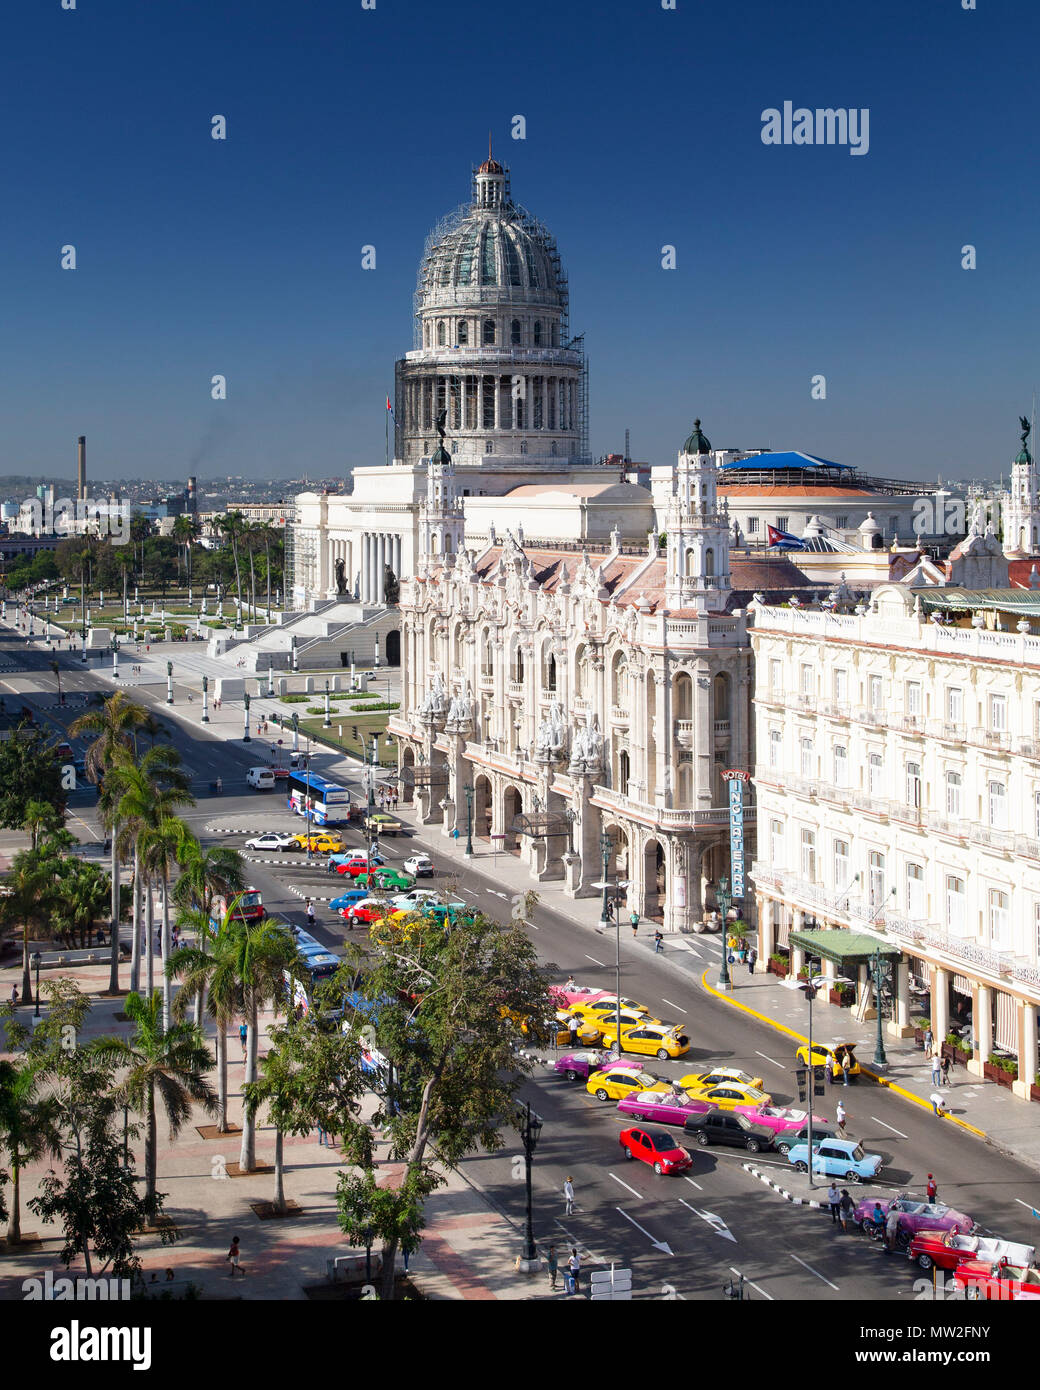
[(80, 896), (29, 772), (28, 1127), (161, 1065), (437, 996)]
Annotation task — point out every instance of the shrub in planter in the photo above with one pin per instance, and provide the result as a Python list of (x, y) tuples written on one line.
[(1006, 1068), (803, 974)]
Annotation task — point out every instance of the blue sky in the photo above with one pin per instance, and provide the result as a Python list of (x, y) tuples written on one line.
[(349, 127)]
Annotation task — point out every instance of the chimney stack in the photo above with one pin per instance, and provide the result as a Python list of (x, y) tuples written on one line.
[(81, 473)]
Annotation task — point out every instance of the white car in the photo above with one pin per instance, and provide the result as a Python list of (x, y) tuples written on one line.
[(419, 866), (416, 898), (273, 839)]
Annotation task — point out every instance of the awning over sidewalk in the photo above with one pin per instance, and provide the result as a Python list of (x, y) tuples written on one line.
[(842, 946)]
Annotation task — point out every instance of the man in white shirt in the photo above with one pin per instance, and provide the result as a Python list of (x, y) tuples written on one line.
[(568, 1196)]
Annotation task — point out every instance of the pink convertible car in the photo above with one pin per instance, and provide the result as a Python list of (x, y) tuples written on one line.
[(788, 1125)]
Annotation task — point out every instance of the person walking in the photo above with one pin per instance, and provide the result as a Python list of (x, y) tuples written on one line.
[(834, 1202), (243, 1033), (929, 1038), (572, 1029), (574, 1271), (310, 915), (14, 994), (936, 1070), (848, 1206), (658, 941), (931, 1188), (946, 1071), (552, 1265), (568, 1196), (845, 1069), (234, 1255), (891, 1230), (752, 957), (839, 1119), (635, 926)]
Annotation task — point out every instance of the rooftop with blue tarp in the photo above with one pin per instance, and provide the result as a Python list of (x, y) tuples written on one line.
[(789, 459)]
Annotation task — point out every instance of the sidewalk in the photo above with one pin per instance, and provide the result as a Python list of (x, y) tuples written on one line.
[(981, 1106)]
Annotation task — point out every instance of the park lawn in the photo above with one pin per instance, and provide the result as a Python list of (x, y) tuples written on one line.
[(367, 725)]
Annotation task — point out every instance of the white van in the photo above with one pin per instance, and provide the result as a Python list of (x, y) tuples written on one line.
[(260, 777)]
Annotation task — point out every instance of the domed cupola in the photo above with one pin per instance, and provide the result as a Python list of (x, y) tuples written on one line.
[(697, 442)]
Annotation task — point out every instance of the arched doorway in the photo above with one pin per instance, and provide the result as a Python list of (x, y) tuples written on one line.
[(654, 880), (393, 648), (482, 807), (512, 806), (407, 787)]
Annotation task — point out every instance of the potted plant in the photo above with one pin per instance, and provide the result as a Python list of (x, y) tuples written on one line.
[(1002, 1070), (921, 1026), (777, 965)]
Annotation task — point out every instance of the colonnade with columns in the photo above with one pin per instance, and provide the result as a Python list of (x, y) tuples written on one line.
[(377, 550)]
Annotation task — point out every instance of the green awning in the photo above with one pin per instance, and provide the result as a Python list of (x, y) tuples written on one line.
[(1024, 601), (837, 945)]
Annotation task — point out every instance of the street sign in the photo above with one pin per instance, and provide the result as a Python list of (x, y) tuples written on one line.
[(610, 1285)]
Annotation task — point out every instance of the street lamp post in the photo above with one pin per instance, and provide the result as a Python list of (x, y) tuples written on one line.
[(295, 733), (723, 898), (169, 682), (372, 776), (530, 1126), (605, 845), (36, 964), (295, 658), (115, 658), (328, 721), (468, 789), (880, 1058), (809, 990), (205, 699), (245, 712)]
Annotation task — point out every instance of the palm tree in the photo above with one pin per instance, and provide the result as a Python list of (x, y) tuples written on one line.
[(30, 885), (154, 728), (57, 671), (262, 952), (210, 974), (40, 819), (263, 529), (114, 725), (161, 845), (232, 525), (168, 1063), (145, 793), (28, 1129), (79, 900), (205, 873)]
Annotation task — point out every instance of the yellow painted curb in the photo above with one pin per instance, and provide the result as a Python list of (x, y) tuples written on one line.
[(880, 1080)]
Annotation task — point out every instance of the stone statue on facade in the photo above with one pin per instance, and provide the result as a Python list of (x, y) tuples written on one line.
[(460, 711), (549, 742), (586, 747), (433, 705)]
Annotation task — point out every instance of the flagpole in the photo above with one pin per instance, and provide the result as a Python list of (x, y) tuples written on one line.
[(386, 431)]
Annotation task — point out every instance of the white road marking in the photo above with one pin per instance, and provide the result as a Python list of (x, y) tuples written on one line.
[(770, 1059), (497, 893), (715, 1222), (625, 1185), (692, 949), (594, 960), (694, 1184), (670, 1004), (658, 1244), (752, 1284), (816, 1272), (891, 1127)]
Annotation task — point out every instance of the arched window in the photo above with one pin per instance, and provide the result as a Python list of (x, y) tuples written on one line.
[(514, 333), (722, 696), (488, 337), (689, 563), (463, 333), (552, 448), (550, 674), (683, 697), (523, 446), (426, 334), (624, 772), (442, 333), (489, 447), (537, 332), (620, 682), (709, 562), (556, 335)]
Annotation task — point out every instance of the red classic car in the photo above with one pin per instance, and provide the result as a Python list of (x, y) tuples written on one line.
[(984, 1279), (655, 1147), (947, 1249)]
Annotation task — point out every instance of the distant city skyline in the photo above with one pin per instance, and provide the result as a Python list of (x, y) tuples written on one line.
[(350, 128)]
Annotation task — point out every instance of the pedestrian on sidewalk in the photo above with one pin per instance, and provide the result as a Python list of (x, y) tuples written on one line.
[(848, 1206), (14, 994), (938, 1104), (233, 1255), (552, 1265), (568, 1196), (243, 1033), (929, 1038), (946, 1071), (658, 941), (834, 1202), (574, 1271), (845, 1069), (931, 1188), (635, 925), (936, 1070), (572, 1029), (752, 956), (891, 1230), (839, 1119)]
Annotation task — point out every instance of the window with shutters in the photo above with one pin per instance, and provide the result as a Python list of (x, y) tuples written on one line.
[(809, 855), (916, 906), (997, 805), (953, 793), (956, 905), (999, 917)]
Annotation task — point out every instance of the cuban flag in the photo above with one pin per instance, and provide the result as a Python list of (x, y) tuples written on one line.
[(783, 540), (391, 410)]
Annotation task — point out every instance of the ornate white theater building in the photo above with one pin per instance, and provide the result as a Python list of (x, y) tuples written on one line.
[(898, 785)]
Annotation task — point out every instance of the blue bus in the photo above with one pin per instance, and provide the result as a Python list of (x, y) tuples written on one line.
[(319, 964), (329, 802)]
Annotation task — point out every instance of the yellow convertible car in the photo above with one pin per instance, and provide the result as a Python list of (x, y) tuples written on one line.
[(652, 1039)]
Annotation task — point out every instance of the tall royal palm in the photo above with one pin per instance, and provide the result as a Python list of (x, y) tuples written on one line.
[(114, 726), (211, 974), (161, 844), (205, 874), (262, 951), (167, 1065), (232, 525), (146, 793)]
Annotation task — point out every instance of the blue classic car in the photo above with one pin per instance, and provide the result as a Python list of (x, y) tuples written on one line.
[(345, 900), (837, 1158)]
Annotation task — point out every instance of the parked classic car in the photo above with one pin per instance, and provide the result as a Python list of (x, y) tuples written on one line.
[(727, 1127), (616, 1081), (664, 1107), (580, 1065), (788, 1127), (830, 1056), (916, 1215), (720, 1076), (946, 1249), (1003, 1280), (837, 1158)]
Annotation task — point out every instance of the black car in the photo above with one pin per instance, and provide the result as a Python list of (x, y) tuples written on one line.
[(727, 1127), (786, 1141)]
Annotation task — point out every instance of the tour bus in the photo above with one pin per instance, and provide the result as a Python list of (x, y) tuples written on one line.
[(329, 802), (319, 965), (247, 906)]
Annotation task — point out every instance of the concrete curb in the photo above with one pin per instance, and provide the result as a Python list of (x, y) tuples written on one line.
[(314, 897), (787, 1196), (864, 1070)]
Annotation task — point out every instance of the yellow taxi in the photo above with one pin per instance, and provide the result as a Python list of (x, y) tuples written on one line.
[(602, 1021), (321, 844), (620, 1079), (720, 1076), (586, 1036), (650, 1038), (729, 1096), (831, 1056)]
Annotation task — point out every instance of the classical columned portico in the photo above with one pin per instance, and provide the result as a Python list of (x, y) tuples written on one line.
[(1026, 1030)]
